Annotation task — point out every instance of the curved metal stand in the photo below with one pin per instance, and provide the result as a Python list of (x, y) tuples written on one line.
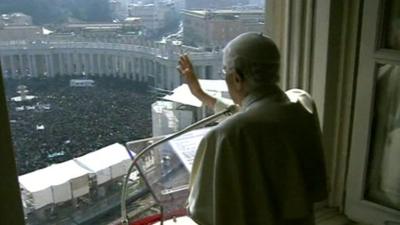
[(124, 218)]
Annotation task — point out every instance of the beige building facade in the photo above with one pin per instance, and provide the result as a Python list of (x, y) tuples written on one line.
[(213, 29)]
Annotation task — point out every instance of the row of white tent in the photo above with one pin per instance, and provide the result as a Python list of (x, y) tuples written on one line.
[(65, 181)]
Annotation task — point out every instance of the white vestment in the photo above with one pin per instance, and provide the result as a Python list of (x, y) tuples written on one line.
[(262, 166)]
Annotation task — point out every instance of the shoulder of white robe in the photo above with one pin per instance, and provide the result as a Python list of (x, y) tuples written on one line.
[(221, 104), (304, 98)]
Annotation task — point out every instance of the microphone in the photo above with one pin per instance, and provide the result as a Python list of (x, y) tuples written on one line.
[(230, 110)]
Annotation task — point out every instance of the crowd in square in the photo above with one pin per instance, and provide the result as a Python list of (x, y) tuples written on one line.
[(77, 120)]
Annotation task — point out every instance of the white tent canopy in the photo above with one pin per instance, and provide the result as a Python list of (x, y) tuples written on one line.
[(65, 181), (107, 163), (56, 183), (182, 93)]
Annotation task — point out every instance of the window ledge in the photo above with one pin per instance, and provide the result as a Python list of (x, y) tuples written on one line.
[(323, 216), (331, 216)]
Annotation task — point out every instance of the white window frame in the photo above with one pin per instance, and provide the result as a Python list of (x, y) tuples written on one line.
[(357, 207)]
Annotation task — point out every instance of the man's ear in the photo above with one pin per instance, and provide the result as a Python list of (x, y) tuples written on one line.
[(238, 81)]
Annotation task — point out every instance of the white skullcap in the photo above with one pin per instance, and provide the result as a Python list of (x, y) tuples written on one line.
[(254, 55), (255, 47)]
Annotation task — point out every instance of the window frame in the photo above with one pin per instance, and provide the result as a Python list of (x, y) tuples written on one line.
[(357, 207), (11, 205)]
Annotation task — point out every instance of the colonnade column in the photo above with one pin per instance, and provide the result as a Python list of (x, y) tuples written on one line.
[(82, 63), (51, 61), (120, 63), (91, 59), (209, 72), (113, 65), (136, 69), (107, 64), (164, 77), (29, 61), (151, 67), (34, 66), (158, 74), (99, 71), (74, 64), (13, 68), (141, 68), (145, 68), (202, 71), (47, 65), (79, 63), (155, 69), (125, 62), (21, 65), (121, 67), (70, 67), (173, 77), (86, 63), (130, 68), (148, 73), (60, 64)]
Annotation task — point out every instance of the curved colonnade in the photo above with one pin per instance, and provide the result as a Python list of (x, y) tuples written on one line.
[(157, 66)]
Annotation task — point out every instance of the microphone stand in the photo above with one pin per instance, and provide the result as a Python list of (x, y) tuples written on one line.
[(227, 112)]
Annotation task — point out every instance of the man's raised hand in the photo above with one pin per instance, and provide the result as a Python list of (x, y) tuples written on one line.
[(185, 68)]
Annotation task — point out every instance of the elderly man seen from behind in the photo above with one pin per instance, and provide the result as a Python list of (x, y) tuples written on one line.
[(264, 165)]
